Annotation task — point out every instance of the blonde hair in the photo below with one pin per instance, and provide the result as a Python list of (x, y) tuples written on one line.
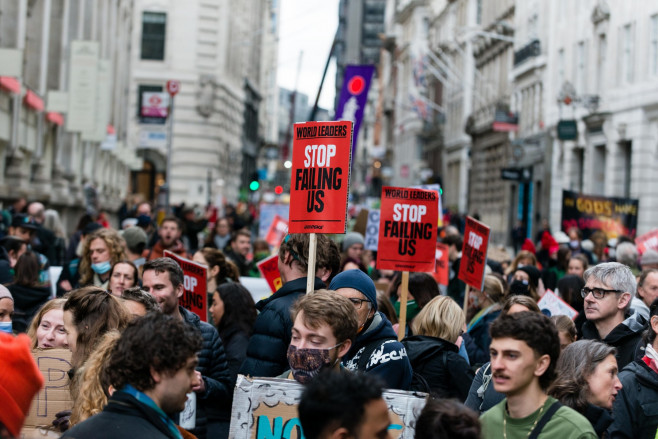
[(36, 321), (493, 288), (441, 318), (523, 254), (92, 390)]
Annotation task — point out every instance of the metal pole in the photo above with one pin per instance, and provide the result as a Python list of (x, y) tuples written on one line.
[(311, 117), (170, 141)]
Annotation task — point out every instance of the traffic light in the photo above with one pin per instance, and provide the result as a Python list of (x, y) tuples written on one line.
[(278, 190), (255, 184)]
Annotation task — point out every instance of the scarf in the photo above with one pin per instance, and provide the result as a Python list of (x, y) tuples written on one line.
[(145, 399)]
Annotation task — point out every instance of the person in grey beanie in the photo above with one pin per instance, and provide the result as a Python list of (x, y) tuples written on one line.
[(353, 245), (376, 349)]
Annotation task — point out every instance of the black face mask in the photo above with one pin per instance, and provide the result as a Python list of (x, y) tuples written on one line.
[(519, 288)]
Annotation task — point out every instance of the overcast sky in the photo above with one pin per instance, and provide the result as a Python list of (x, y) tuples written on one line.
[(309, 27)]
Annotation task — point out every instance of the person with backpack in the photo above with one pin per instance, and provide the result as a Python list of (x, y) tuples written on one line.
[(524, 350), (376, 349), (433, 351)]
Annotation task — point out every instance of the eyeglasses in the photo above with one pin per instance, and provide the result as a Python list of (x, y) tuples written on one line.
[(357, 302), (598, 293)]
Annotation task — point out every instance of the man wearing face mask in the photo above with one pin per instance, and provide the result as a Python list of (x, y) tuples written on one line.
[(323, 330), (101, 250), (376, 349)]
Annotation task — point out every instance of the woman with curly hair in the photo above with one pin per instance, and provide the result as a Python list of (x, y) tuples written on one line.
[(94, 389), (587, 381), (101, 250)]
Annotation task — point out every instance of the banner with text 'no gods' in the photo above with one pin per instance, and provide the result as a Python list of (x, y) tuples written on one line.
[(320, 178), (407, 229)]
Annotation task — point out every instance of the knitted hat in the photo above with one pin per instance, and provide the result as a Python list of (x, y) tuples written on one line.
[(351, 239), (358, 280), (649, 257), (20, 380), (533, 273), (529, 246), (5, 294), (134, 236)]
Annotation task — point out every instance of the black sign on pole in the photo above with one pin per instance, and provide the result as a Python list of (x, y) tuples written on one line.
[(567, 130), (516, 174)]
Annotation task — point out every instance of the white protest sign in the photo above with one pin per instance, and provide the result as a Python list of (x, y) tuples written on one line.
[(556, 306), (372, 231), (267, 408), (187, 418)]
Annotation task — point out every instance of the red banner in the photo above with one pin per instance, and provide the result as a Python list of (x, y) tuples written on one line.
[(647, 241), (195, 297), (442, 272), (474, 253), (277, 231), (269, 269), (320, 177), (407, 229)]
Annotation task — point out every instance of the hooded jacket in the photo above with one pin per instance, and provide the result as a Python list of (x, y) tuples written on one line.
[(438, 361), (626, 337), (214, 405), (27, 301), (389, 358), (268, 345), (478, 340), (635, 410), (599, 417)]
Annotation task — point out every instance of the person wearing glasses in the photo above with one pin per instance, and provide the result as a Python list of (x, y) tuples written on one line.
[(609, 289), (376, 349)]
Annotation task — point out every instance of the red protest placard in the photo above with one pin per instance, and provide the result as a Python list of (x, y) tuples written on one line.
[(442, 271), (195, 297), (277, 231), (320, 178), (269, 269), (648, 241), (407, 229), (474, 253)]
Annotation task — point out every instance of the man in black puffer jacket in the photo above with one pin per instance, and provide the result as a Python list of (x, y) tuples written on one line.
[(266, 353), (635, 409), (163, 279)]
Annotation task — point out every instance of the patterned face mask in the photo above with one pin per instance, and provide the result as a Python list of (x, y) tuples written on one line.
[(307, 363)]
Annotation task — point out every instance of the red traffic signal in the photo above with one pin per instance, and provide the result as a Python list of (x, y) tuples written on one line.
[(278, 190)]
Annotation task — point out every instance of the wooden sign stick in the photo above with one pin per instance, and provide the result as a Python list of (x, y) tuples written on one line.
[(402, 325), (310, 274)]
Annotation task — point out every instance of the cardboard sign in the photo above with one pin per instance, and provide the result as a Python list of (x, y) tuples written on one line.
[(269, 269), (556, 306), (320, 177), (442, 271), (277, 231), (266, 408), (648, 241), (55, 395), (372, 231), (612, 215), (266, 214), (407, 229), (474, 253), (195, 297)]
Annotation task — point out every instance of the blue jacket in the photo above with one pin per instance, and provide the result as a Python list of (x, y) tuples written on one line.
[(477, 339), (389, 360), (268, 345), (216, 377)]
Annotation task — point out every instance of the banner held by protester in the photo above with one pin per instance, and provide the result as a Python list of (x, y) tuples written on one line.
[(195, 297), (613, 215)]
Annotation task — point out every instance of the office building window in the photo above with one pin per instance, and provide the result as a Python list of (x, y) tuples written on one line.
[(154, 26), (627, 55)]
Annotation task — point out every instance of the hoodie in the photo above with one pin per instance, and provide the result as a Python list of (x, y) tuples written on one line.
[(635, 409), (438, 361), (626, 337), (388, 360)]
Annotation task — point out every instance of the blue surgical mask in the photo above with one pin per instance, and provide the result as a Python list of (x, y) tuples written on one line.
[(6, 327), (101, 267)]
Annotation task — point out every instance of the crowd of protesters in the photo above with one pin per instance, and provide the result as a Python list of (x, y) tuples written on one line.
[(499, 368)]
